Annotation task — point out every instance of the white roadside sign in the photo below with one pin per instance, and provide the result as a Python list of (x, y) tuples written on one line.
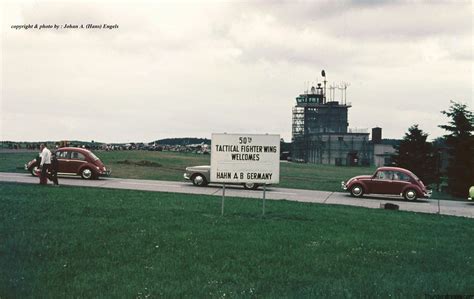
[(245, 158)]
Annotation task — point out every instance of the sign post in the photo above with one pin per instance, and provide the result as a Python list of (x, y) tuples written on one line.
[(263, 204), (245, 158), (223, 198)]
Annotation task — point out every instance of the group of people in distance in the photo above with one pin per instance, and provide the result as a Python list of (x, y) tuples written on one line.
[(48, 165)]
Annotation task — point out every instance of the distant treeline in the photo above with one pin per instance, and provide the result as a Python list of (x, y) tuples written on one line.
[(35, 145), (285, 146), (183, 141)]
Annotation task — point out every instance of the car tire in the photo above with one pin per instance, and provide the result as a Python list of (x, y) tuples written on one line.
[(357, 190), (199, 180), (251, 186), (34, 171), (410, 194), (87, 174)]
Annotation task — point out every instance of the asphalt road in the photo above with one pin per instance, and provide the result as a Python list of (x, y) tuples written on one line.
[(446, 207)]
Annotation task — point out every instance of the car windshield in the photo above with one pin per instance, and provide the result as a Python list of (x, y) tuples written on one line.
[(94, 156)]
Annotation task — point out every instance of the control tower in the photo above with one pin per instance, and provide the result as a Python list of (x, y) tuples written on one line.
[(313, 114), (320, 132)]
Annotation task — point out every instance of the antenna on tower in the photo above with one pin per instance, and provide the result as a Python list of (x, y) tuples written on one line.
[(339, 88), (323, 73), (332, 92), (344, 86)]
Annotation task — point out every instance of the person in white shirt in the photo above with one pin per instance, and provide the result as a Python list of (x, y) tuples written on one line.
[(45, 163)]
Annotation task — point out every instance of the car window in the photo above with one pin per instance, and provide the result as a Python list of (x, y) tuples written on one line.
[(62, 155), (399, 176), (77, 156), (384, 175)]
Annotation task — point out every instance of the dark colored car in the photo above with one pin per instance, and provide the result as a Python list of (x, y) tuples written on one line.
[(388, 180), (201, 176), (74, 161)]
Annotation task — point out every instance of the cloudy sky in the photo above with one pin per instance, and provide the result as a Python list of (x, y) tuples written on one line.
[(191, 68)]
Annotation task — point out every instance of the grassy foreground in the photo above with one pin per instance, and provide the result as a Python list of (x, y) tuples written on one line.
[(88, 242)]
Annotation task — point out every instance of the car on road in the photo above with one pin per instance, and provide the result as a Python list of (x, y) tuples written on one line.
[(201, 176), (74, 161), (471, 193), (388, 180)]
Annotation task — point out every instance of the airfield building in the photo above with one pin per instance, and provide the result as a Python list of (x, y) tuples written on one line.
[(320, 130)]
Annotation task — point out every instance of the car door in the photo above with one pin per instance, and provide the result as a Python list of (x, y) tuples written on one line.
[(63, 161), (381, 182), (76, 162)]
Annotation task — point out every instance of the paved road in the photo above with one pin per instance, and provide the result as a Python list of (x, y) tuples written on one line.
[(446, 207)]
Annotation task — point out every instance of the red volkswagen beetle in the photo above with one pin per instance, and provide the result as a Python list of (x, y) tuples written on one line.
[(74, 161), (388, 180)]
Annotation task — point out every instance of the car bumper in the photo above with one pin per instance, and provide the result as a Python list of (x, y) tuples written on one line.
[(427, 194), (105, 173), (343, 186), (28, 166), (186, 176), (469, 198)]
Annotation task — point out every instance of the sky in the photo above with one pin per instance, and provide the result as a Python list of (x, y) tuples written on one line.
[(193, 68)]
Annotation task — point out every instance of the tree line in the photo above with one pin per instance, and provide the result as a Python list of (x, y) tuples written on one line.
[(424, 158)]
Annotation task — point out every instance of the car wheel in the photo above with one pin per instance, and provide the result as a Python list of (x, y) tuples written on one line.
[(199, 180), (357, 190), (87, 174), (35, 171), (251, 186), (410, 194)]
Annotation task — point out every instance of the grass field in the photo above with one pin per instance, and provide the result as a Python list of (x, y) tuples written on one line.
[(88, 242)]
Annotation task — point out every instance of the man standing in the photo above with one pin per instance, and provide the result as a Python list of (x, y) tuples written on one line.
[(54, 169), (45, 164)]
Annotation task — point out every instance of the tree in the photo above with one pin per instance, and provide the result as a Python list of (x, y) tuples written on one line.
[(460, 141), (416, 154)]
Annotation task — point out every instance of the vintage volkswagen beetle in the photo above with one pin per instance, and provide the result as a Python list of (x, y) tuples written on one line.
[(388, 180), (74, 161)]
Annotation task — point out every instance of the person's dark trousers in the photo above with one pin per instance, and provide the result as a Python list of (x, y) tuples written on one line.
[(53, 176), (44, 174), (54, 171)]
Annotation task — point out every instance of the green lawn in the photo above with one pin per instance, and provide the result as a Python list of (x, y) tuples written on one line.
[(88, 242)]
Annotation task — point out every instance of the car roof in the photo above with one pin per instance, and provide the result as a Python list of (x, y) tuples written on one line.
[(74, 149), (201, 166), (391, 168)]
